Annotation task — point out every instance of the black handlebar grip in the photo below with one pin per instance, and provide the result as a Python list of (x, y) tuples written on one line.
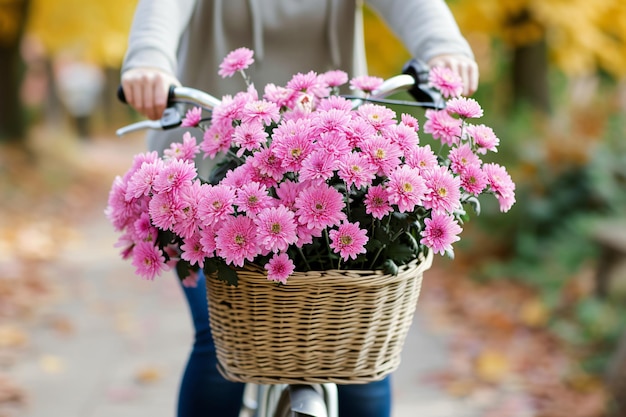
[(170, 95)]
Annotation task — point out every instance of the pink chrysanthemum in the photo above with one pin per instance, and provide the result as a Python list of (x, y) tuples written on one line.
[(263, 111), (193, 251), (318, 166), (335, 78), (291, 143), (334, 144), (359, 131), (405, 136), (356, 169), (473, 179), (462, 157), (186, 151), (148, 260), (163, 209), (377, 202), (380, 117), (484, 138), (249, 136), (466, 108), (237, 240), (278, 95), (252, 198), (143, 179), (309, 84), (237, 177), (320, 206), (421, 158), (217, 138), (382, 153), (216, 204), (207, 240), (410, 121), (306, 235), (186, 218), (119, 210), (501, 184), (443, 190), (440, 232), (406, 188), (270, 168), (138, 161), (348, 240), (192, 117), (144, 229), (237, 60), (287, 191), (191, 280), (366, 83), (335, 102), (279, 268), (276, 227), (443, 126), (333, 120), (176, 173), (447, 81)]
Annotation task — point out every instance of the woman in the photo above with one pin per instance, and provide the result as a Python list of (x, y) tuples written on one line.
[(184, 41)]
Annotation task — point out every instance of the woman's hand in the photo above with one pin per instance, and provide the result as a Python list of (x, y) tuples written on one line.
[(146, 89), (464, 66)]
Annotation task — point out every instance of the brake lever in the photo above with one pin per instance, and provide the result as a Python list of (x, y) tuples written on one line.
[(422, 91), (171, 118)]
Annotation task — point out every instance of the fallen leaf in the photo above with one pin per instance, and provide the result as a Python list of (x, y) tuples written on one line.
[(492, 366), (534, 313), (51, 364), (148, 375), (11, 337)]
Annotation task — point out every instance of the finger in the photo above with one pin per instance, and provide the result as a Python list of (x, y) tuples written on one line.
[(148, 97), (474, 77), (160, 95)]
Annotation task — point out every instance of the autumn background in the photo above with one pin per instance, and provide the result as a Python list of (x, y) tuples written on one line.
[(535, 299)]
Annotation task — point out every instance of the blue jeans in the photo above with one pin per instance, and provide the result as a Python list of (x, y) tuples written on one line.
[(205, 393)]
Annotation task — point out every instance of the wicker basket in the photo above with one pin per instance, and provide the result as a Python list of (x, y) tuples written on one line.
[(330, 326)]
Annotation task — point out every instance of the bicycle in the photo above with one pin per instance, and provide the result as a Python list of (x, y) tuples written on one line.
[(296, 399)]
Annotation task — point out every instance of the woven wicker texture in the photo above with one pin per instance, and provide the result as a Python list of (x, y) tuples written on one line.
[(329, 326)]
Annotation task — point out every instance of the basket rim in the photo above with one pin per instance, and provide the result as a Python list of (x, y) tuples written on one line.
[(363, 277)]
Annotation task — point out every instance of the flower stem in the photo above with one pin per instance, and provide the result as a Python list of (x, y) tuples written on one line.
[(330, 251), (308, 267)]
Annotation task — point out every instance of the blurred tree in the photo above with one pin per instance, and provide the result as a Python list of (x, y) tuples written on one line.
[(94, 30), (580, 37), (13, 15)]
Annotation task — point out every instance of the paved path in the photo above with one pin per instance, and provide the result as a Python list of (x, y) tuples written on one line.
[(115, 345)]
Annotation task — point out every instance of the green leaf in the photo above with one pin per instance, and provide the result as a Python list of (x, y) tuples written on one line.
[(475, 203), (401, 251), (183, 269), (221, 270), (390, 267), (227, 274)]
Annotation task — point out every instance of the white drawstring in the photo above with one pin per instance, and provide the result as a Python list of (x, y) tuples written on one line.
[(333, 37), (257, 29)]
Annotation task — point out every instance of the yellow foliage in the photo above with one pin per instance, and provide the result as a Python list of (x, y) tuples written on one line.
[(385, 53), (10, 18), (94, 30), (582, 36)]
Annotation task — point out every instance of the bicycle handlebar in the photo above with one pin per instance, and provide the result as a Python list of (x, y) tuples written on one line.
[(414, 79)]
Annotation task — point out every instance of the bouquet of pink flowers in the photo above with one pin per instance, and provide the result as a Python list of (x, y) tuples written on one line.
[(307, 181)]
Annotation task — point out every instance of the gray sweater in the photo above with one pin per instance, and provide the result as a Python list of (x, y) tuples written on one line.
[(189, 38)]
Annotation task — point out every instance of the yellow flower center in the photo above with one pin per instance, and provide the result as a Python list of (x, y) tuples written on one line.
[(346, 240), (276, 228)]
